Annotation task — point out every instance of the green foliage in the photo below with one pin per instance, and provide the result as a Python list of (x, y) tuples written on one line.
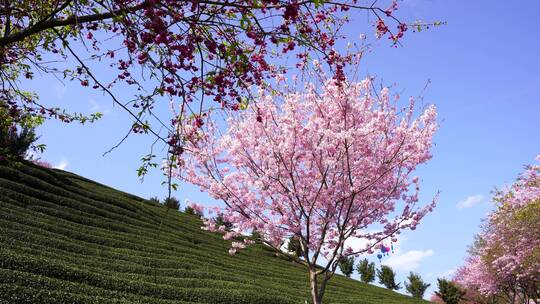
[(366, 271), (449, 292), (221, 222), (66, 239), (346, 265), (190, 210), (16, 144), (295, 247), (255, 235), (154, 200), (17, 134), (171, 202), (416, 286), (387, 277)]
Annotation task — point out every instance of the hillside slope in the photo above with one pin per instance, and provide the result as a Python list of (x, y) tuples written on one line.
[(66, 239)]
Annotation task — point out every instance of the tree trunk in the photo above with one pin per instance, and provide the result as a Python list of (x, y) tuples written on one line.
[(317, 290), (316, 298)]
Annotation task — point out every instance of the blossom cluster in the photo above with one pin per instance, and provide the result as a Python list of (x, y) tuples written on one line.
[(505, 260), (324, 165)]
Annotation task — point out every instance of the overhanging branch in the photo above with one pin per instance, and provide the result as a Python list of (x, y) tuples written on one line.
[(71, 20)]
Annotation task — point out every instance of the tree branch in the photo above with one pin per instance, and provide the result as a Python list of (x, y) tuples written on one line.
[(136, 118), (71, 20)]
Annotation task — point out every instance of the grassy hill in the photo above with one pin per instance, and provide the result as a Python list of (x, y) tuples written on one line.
[(66, 239)]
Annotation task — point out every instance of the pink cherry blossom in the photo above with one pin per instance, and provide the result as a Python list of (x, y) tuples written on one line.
[(505, 259), (42, 163), (322, 164)]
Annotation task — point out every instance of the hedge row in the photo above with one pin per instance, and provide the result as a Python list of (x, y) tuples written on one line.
[(23, 196), (165, 254), (42, 180), (55, 269), (65, 258), (58, 250), (38, 282), (178, 277), (66, 239)]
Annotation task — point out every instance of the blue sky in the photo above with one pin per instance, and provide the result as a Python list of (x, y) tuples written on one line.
[(483, 68)]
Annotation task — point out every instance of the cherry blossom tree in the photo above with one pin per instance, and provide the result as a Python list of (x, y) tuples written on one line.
[(436, 299), (505, 259), (184, 52), (322, 164)]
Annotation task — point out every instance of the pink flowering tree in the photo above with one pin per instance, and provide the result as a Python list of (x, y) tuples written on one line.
[(505, 260), (436, 299), (42, 163), (323, 165)]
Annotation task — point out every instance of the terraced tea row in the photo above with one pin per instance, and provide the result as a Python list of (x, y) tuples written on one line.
[(66, 239)]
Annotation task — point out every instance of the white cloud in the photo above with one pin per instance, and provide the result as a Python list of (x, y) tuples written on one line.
[(358, 244), (470, 201), (409, 260), (62, 164)]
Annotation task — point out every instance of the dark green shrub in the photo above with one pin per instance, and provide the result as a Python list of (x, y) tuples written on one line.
[(346, 265), (192, 211), (172, 202), (416, 286), (221, 222), (295, 247), (14, 143), (449, 292), (366, 271), (387, 277), (154, 200), (256, 236)]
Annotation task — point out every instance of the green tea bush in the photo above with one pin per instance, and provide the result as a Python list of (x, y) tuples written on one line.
[(66, 239)]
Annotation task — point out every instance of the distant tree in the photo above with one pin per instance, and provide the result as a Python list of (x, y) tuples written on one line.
[(366, 271), (416, 286), (436, 299), (189, 210), (504, 260), (295, 246), (387, 277), (221, 222), (449, 292), (154, 200), (17, 134), (256, 235), (172, 202), (15, 143), (346, 265), (192, 211), (42, 163)]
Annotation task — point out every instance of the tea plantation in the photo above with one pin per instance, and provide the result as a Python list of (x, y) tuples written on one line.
[(66, 239)]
